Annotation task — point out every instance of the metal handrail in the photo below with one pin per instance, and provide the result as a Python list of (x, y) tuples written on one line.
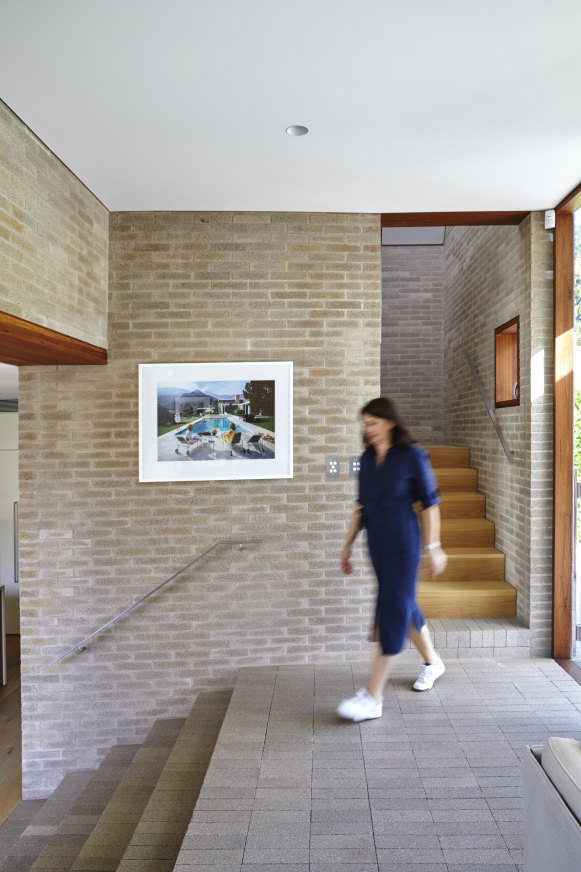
[(79, 645), (489, 408), (16, 523)]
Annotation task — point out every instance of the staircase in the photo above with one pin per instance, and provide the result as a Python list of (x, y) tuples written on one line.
[(472, 585), (129, 815)]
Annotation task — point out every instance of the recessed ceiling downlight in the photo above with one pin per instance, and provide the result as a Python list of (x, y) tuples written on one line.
[(297, 130)]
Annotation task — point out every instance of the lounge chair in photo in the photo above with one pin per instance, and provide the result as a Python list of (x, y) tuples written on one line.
[(234, 442), (254, 441), (189, 445)]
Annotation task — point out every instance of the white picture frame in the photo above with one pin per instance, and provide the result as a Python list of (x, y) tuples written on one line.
[(215, 421)]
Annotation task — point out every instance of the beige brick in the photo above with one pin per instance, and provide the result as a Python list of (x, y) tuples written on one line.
[(55, 238)]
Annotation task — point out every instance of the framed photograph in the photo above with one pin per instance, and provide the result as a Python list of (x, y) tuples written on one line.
[(215, 421)]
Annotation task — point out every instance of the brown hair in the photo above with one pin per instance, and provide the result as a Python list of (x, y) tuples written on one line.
[(382, 407)]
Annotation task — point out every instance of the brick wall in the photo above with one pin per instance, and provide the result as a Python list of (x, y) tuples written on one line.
[(229, 286), (412, 356), (193, 287), (493, 274), (53, 239)]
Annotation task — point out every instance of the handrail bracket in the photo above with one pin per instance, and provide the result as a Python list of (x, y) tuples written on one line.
[(489, 408)]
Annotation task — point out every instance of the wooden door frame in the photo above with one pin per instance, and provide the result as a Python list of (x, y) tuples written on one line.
[(563, 498)]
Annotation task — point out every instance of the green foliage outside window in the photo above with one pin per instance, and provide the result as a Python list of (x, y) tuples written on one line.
[(577, 282)]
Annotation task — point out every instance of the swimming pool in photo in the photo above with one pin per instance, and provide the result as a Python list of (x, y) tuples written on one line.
[(221, 423)]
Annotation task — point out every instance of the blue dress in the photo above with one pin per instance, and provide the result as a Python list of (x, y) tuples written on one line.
[(386, 497)]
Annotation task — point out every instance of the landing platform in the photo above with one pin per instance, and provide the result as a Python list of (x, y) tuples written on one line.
[(435, 783)]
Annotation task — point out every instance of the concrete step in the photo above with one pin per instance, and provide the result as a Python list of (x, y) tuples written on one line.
[(475, 638), (110, 836), (158, 835), (80, 797), (132, 812)]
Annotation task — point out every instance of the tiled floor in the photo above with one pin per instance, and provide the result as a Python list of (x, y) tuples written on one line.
[(435, 784)]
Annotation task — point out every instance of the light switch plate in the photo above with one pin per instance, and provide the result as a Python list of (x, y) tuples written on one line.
[(354, 466), (333, 467)]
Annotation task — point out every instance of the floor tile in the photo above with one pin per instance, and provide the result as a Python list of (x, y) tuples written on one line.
[(434, 784)]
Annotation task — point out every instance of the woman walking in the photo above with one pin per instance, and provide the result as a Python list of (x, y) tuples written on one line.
[(394, 474)]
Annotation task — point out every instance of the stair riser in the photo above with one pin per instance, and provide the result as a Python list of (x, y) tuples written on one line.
[(462, 480), (483, 537), (454, 507), (448, 455), (473, 568), (467, 604)]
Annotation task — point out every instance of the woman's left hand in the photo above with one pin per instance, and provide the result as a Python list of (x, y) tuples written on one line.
[(437, 561)]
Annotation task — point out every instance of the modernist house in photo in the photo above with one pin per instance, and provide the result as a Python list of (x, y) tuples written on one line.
[(223, 229)]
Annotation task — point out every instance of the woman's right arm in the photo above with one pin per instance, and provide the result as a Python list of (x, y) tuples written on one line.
[(353, 530)]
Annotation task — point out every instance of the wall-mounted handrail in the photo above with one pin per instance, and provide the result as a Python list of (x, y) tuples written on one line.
[(489, 408), (16, 544), (240, 542)]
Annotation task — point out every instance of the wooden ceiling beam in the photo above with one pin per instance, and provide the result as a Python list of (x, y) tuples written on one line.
[(23, 343), (450, 219), (572, 201)]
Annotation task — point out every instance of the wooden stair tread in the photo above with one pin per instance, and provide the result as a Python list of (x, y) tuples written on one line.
[(477, 586), (477, 551)]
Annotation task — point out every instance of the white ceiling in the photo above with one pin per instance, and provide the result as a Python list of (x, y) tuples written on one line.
[(412, 106)]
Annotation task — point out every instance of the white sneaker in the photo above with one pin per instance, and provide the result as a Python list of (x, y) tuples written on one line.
[(428, 675), (361, 707)]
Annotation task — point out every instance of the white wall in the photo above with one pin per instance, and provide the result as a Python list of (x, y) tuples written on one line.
[(8, 496)]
